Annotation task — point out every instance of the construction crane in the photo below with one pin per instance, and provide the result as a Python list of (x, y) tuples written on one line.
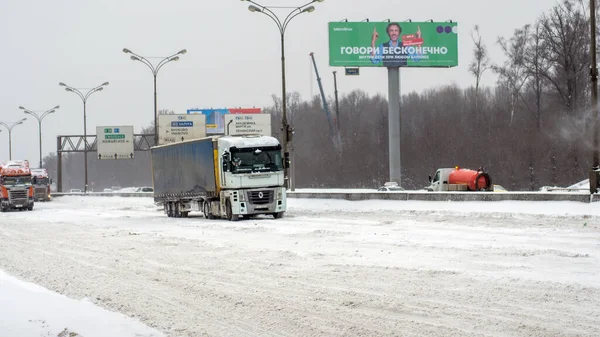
[(333, 130)]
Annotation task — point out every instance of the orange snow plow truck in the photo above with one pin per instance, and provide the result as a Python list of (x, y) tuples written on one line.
[(16, 190), (459, 179)]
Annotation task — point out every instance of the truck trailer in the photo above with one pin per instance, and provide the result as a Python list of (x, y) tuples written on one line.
[(222, 176)]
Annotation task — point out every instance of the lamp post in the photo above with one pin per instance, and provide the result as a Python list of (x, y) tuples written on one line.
[(84, 98), (155, 70), (282, 25), (39, 119), (9, 128)]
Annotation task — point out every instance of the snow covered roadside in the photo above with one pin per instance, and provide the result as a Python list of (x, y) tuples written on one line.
[(329, 268), (29, 310)]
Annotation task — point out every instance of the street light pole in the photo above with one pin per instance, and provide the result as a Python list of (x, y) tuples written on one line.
[(282, 25), (155, 70), (84, 98), (39, 119), (10, 128)]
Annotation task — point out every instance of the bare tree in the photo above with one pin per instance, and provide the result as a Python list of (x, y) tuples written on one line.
[(480, 62), (565, 33), (513, 73)]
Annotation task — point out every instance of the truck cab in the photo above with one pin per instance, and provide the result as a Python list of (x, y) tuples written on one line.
[(41, 184), (16, 189), (251, 179)]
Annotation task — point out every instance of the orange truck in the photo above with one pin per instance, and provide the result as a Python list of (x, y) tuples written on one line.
[(460, 179), (41, 184), (16, 189)]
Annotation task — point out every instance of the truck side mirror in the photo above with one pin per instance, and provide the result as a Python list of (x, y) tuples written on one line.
[(430, 178), (34, 180), (50, 180)]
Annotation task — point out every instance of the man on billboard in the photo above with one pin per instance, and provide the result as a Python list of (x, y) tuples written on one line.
[(389, 53)]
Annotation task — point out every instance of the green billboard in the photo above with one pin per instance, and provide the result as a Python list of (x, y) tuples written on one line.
[(393, 44)]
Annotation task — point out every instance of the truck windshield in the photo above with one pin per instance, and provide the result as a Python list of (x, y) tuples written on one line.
[(42, 181), (16, 180), (256, 160)]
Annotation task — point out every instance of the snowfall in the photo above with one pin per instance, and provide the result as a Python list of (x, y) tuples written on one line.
[(115, 266)]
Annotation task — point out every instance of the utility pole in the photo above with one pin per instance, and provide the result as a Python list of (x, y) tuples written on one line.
[(595, 171)]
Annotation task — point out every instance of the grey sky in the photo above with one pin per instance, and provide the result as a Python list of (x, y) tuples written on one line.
[(233, 56)]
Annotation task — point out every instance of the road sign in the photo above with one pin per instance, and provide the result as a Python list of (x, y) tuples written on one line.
[(352, 71), (215, 123), (248, 124), (114, 142), (179, 128)]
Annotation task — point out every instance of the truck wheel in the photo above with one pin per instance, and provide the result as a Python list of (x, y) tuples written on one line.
[(278, 215), (30, 208), (206, 210), (169, 207), (230, 215), (184, 214)]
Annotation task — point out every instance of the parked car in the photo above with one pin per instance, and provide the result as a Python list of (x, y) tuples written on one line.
[(144, 189), (390, 187), (107, 190)]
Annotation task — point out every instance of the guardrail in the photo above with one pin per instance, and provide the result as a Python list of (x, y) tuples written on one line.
[(398, 195)]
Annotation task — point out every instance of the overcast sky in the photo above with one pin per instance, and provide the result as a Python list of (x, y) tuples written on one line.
[(232, 60)]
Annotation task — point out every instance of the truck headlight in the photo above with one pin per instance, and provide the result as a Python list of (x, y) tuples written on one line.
[(279, 194), (242, 196)]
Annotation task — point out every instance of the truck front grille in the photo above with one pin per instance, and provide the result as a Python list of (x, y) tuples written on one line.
[(18, 197), (260, 197)]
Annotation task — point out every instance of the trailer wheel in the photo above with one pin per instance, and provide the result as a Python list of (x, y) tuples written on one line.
[(169, 206), (230, 215), (176, 211), (184, 214), (206, 210)]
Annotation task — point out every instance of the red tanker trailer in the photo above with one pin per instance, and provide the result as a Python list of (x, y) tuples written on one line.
[(459, 179)]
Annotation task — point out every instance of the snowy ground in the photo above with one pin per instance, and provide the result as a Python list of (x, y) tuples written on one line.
[(329, 268)]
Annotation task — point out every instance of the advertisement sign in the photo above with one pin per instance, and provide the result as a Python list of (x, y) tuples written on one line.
[(393, 44), (114, 142), (215, 122), (248, 124), (179, 128)]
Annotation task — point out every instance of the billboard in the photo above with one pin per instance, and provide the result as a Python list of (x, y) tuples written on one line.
[(178, 128), (248, 124), (114, 142), (393, 44), (215, 122)]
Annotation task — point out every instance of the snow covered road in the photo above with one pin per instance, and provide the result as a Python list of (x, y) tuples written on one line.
[(329, 268)]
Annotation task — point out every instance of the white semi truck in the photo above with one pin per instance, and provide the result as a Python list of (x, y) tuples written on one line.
[(222, 176)]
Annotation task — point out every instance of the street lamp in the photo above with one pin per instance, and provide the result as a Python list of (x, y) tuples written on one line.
[(84, 98), (9, 128), (39, 119), (155, 70), (282, 25)]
